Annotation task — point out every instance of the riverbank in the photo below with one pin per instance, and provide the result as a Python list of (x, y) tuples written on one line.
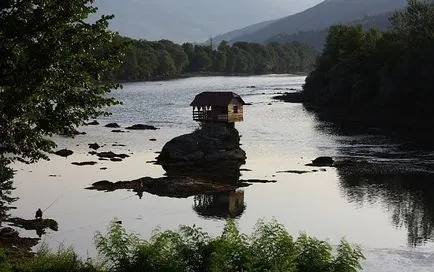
[(210, 74)]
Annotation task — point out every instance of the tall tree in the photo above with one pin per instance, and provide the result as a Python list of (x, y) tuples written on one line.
[(52, 60)]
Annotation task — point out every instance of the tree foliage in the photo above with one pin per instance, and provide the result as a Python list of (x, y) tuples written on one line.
[(52, 62), (379, 71), (150, 60)]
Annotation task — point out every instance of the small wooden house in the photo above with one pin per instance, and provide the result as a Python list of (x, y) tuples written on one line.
[(221, 107)]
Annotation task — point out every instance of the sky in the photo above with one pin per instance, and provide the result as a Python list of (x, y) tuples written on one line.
[(193, 20)]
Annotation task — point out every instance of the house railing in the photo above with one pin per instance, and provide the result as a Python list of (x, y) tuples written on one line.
[(201, 115)]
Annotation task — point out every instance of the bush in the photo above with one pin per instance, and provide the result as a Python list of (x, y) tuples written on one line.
[(269, 248), (190, 249), (65, 259)]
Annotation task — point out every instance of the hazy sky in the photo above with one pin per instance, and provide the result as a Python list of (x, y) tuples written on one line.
[(193, 20)]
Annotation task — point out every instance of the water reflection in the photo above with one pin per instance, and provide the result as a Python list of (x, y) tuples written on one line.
[(388, 168), (211, 153), (406, 196), (10, 240), (220, 205)]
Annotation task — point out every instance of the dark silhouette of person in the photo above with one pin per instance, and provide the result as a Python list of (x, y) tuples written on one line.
[(38, 214)]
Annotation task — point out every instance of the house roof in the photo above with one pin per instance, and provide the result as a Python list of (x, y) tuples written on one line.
[(221, 99)]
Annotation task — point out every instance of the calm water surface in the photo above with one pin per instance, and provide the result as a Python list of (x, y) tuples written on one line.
[(390, 215)]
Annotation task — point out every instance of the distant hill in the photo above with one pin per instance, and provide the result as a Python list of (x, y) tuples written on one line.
[(322, 16), (316, 38), (241, 32), (192, 20)]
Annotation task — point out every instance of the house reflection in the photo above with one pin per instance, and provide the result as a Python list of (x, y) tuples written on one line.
[(220, 205)]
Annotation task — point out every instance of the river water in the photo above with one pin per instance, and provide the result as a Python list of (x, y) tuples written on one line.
[(389, 213)]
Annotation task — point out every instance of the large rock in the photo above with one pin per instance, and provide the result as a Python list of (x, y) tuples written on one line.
[(213, 150), (204, 145)]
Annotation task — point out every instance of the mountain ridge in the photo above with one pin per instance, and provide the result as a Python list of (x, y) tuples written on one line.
[(321, 16)]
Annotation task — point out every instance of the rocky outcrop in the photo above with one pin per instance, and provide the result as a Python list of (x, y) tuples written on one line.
[(179, 187), (212, 150), (141, 127), (34, 224)]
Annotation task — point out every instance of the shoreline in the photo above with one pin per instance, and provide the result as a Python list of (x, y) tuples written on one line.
[(207, 74), (387, 120)]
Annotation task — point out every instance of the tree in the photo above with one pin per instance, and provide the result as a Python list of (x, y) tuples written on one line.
[(52, 62), (373, 72)]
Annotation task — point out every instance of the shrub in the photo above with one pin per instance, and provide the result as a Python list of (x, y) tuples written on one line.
[(64, 259), (268, 248)]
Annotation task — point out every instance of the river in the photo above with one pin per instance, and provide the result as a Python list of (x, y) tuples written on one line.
[(390, 214)]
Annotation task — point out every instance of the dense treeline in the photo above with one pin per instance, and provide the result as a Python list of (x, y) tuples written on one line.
[(390, 72), (148, 60)]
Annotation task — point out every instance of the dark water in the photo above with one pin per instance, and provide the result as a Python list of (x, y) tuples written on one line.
[(384, 201)]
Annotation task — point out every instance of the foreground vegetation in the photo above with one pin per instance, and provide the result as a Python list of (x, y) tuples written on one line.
[(378, 73), (149, 60), (268, 248)]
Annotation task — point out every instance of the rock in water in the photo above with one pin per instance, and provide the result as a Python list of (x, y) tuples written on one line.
[(93, 123), (213, 150), (323, 161), (113, 125), (94, 146), (141, 127), (64, 152)]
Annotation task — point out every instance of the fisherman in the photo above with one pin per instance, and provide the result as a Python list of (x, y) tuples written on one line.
[(38, 214)]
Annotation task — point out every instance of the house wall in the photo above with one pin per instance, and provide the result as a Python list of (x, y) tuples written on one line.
[(235, 116)]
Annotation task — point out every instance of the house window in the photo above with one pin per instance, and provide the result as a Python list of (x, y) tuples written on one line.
[(235, 109)]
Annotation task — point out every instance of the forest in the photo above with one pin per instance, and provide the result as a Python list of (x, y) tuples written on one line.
[(164, 59), (381, 73)]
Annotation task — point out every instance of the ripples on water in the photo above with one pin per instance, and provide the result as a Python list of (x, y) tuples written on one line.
[(385, 203)]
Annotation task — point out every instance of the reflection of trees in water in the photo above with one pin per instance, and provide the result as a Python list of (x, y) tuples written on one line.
[(408, 196), (220, 205), (397, 171)]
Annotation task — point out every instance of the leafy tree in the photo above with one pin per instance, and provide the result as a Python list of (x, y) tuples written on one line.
[(52, 60), (371, 72)]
